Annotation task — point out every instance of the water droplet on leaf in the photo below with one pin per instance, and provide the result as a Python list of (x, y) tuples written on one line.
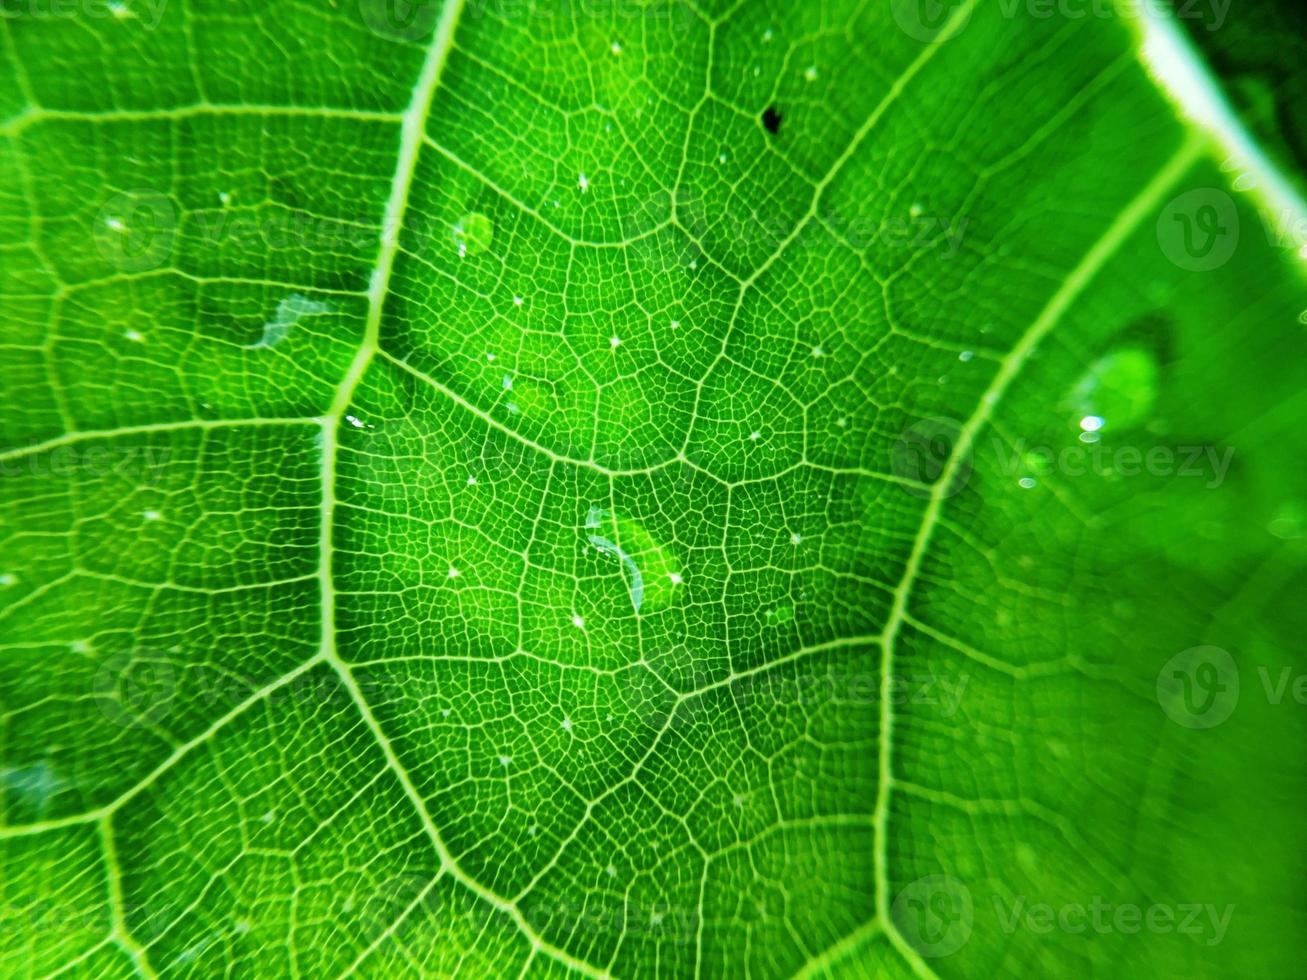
[(1120, 388), (289, 312), (474, 234)]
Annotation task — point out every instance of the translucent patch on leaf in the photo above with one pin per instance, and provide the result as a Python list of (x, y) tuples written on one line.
[(34, 785), (781, 614), (289, 312), (474, 234), (652, 573), (1118, 390)]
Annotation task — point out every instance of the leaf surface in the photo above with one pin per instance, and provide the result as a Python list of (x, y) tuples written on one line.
[(638, 488)]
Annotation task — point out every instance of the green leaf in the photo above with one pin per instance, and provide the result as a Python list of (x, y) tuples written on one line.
[(641, 488), (1258, 47)]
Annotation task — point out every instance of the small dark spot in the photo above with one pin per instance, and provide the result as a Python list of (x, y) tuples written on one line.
[(771, 119)]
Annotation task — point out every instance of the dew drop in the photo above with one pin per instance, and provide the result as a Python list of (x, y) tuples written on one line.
[(647, 566), (1289, 522), (1120, 386), (474, 234)]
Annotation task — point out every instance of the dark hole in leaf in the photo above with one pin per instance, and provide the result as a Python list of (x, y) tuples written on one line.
[(771, 118)]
